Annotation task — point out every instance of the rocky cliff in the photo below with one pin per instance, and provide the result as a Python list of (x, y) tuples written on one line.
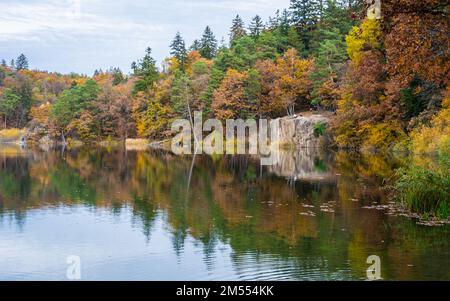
[(303, 130)]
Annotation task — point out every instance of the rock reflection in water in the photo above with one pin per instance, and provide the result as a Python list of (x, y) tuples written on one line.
[(308, 164)]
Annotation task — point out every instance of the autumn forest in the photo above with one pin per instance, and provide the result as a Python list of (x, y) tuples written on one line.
[(383, 80)]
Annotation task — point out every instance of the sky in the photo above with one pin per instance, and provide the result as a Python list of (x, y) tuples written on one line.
[(84, 35)]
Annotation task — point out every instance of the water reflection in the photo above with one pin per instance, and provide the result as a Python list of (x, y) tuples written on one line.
[(137, 215)]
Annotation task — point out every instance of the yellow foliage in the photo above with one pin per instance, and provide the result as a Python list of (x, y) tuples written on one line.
[(434, 138), (382, 135), (367, 36), (41, 114), (154, 123), (12, 134)]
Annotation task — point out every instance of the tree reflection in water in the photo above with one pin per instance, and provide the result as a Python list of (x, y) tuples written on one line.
[(271, 215)]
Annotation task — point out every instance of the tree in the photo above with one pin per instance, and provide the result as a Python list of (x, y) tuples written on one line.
[(9, 101), (235, 97), (2, 75), (200, 79), (146, 72), (12, 64), (118, 76), (21, 62), (195, 46), (181, 95), (237, 30), (285, 83), (304, 15), (113, 112), (154, 121), (72, 103), (256, 27), (208, 44), (178, 50), (4, 63)]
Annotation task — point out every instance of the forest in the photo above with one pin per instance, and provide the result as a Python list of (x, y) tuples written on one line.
[(384, 79)]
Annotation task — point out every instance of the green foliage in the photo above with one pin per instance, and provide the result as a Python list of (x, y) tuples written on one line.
[(9, 102), (2, 75), (21, 62), (118, 76), (181, 94), (178, 50), (237, 30), (320, 129), (146, 72), (256, 27), (413, 99), (208, 44), (304, 16), (425, 190), (73, 101), (252, 90), (217, 75)]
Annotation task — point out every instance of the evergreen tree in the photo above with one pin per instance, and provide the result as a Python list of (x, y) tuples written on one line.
[(208, 44), (2, 75), (237, 30), (304, 15), (256, 26), (9, 102), (178, 50), (12, 64), (22, 62), (274, 21), (146, 71), (118, 76), (181, 95), (284, 22), (4, 63), (195, 46)]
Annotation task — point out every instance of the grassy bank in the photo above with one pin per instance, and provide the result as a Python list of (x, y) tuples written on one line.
[(425, 188)]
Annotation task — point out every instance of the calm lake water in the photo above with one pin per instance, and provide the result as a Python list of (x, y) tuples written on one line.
[(134, 215)]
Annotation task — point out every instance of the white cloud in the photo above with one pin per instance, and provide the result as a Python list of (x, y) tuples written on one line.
[(112, 33), (34, 20)]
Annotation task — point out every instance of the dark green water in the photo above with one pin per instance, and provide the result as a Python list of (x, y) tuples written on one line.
[(133, 215)]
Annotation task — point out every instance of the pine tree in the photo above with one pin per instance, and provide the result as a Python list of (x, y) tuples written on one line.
[(22, 62), (284, 22), (12, 64), (304, 15), (256, 26), (208, 44), (181, 95), (146, 71), (274, 21), (237, 30), (4, 63), (178, 50), (195, 46), (118, 76)]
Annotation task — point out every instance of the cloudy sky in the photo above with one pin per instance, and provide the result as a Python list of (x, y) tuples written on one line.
[(83, 35)]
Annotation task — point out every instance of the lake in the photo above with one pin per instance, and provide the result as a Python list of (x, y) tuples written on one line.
[(151, 215)]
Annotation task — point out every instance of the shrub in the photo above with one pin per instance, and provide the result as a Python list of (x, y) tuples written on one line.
[(424, 190), (320, 129)]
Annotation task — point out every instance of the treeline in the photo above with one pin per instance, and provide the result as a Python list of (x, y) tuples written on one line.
[(268, 69), (385, 79)]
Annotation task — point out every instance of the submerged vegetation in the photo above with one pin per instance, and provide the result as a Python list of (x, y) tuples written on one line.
[(385, 79)]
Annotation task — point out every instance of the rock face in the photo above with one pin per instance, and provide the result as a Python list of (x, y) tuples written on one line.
[(300, 131)]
